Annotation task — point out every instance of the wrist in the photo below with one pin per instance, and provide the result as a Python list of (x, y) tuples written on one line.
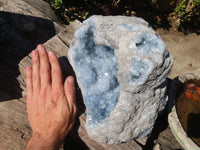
[(43, 143)]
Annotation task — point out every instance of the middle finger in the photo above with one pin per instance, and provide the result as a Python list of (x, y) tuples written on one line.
[(45, 73)]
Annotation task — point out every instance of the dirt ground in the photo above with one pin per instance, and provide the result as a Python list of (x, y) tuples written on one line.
[(185, 50)]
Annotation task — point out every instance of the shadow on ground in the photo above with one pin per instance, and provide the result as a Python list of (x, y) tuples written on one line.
[(73, 140), (19, 34), (161, 123)]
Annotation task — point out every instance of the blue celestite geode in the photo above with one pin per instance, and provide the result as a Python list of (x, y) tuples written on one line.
[(121, 66), (96, 69)]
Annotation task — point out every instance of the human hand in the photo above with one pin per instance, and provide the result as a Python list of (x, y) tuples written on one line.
[(51, 105)]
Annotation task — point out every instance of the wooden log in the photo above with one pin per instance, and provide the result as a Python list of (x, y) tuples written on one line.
[(67, 36), (15, 130)]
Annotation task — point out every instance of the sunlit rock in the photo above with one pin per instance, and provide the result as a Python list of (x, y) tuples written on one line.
[(121, 66)]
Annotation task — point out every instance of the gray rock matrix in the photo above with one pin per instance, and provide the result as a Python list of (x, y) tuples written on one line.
[(121, 66)]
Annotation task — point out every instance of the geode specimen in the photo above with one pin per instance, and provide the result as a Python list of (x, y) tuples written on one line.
[(121, 66)]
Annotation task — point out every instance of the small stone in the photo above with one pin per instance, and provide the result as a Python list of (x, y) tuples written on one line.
[(121, 66), (23, 136), (156, 147)]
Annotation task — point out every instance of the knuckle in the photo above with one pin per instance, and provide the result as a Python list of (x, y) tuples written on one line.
[(35, 77), (44, 93), (56, 94), (45, 70), (28, 76), (35, 61), (28, 73), (55, 71), (28, 87)]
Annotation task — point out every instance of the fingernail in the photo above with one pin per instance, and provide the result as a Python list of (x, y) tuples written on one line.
[(71, 80), (39, 47), (50, 53), (34, 54)]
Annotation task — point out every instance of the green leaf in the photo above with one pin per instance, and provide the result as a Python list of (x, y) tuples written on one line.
[(182, 13), (85, 15), (176, 10)]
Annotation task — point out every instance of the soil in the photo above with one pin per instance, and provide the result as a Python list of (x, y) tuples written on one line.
[(188, 111)]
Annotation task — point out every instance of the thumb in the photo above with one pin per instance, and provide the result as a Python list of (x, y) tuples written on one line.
[(69, 88)]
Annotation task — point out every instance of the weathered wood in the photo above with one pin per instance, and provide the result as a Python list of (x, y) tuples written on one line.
[(68, 34), (15, 130), (37, 8), (60, 45), (14, 125)]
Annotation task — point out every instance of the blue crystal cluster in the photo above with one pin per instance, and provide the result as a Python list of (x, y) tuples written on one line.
[(128, 27), (96, 70), (149, 45), (138, 72)]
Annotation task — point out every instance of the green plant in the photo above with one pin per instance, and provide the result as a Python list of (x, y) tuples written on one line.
[(85, 14), (180, 8), (55, 3), (187, 9), (186, 16), (197, 9)]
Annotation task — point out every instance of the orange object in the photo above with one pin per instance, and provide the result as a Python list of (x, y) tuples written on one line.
[(191, 86), (195, 97), (188, 94), (198, 90)]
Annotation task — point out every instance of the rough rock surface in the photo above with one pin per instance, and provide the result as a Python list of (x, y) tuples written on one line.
[(121, 66)]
